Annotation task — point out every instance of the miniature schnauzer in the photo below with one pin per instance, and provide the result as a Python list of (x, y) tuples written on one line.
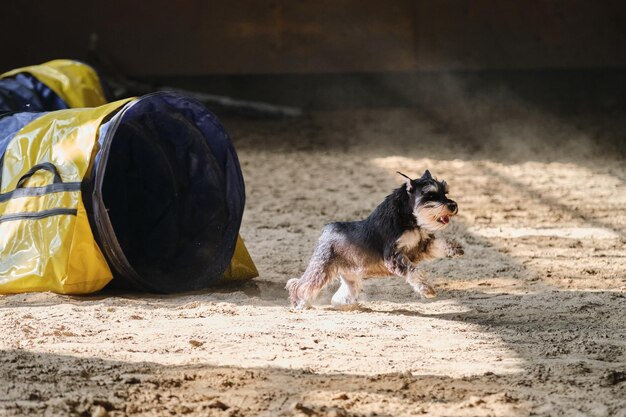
[(391, 241)]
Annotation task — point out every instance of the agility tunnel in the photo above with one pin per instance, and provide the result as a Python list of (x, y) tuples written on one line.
[(55, 85), (147, 190)]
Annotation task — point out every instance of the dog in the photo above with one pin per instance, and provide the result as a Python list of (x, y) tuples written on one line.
[(392, 240)]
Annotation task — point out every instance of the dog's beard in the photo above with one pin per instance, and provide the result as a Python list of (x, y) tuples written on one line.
[(432, 216)]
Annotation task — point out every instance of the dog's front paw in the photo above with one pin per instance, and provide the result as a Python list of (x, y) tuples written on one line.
[(426, 291), (454, 249)]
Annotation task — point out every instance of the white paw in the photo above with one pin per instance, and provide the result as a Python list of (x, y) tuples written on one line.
[(343, 298), (343, 301)]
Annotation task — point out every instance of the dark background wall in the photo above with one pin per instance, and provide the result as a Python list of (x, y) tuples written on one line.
[(167, 37), (329, 54)]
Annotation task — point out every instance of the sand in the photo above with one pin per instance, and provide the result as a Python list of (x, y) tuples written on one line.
[(531, 321)]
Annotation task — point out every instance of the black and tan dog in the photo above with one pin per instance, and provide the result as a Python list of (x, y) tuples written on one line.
[(396, 236)]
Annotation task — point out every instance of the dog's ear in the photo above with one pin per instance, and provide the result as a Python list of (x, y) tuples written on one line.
[(427, 175), (410, 187), (409, 183), (446, 188)]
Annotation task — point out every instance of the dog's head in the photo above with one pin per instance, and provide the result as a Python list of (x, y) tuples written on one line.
[(431, 207)]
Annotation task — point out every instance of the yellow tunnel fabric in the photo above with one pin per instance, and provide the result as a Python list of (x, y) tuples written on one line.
[(77, 84), (46, 243)]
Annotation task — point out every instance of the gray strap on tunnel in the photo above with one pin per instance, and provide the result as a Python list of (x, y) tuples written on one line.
[(46, 166)]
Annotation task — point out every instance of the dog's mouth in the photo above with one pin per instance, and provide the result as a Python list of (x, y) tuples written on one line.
[(444, 219), (433, 216)]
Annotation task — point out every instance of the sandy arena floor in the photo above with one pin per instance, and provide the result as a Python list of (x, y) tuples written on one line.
[(532, 321)]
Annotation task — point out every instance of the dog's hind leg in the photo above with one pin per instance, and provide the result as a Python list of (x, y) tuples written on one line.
[(319, 272), (303, 290), (348, 293)]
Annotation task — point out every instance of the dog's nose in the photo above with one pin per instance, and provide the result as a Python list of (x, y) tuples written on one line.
[(452, 207)]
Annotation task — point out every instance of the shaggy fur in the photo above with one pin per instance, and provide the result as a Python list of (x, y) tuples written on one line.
[(396, 236)]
